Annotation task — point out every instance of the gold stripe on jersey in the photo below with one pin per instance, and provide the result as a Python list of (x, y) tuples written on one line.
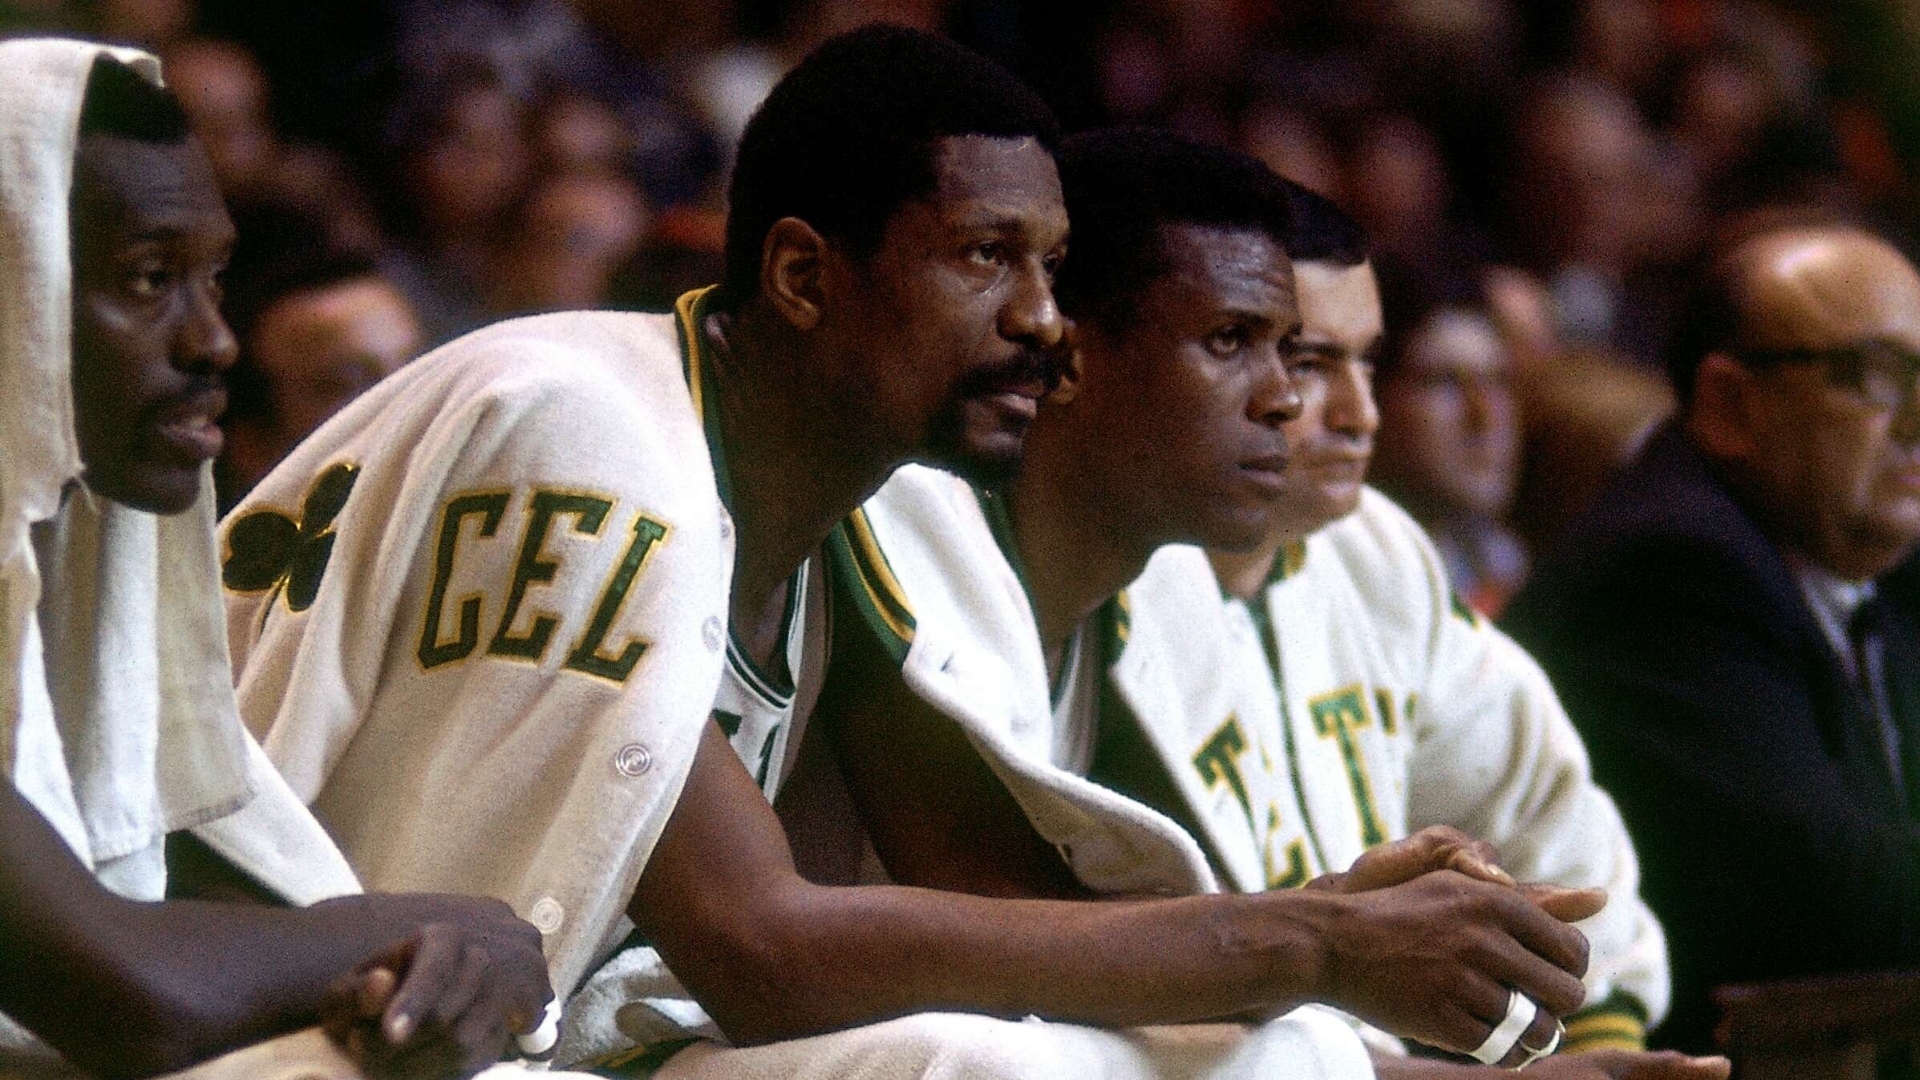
[(1288, 561), (687, 311), (869, 582), (1618, 1023)]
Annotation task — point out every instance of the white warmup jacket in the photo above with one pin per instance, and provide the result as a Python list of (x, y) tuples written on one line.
[(1278, 788), (921, 563), (478, 617), (1403, 708)]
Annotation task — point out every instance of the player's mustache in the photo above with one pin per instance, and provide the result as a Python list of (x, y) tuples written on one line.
[(1027, 365)]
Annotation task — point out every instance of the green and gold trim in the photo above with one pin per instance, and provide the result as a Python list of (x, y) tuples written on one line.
[(1618, 1023), (636, 1063), (1464, 611), (1114, 618), (1288, 561), (689, 312), (863, 576)]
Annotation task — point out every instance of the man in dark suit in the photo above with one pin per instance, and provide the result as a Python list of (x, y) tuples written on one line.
[(1713, 626)]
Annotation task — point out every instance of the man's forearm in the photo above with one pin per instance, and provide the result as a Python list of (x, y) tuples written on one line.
[(837, 957), (177, 981), (772, 956)]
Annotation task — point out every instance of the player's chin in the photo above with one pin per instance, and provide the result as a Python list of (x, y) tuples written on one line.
[(981, 443), (1238, 526), (158, 487), (1333, 501), (989, 464)]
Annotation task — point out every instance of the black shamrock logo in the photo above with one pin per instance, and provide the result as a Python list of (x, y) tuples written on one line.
[(269, 550)]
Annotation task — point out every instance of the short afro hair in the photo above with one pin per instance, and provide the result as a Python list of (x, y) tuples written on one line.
[(1125, 186), (848, 136), (119, 103), (1322, 232)]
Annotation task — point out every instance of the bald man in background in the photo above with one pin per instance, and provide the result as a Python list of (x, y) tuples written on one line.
[(1713, 627)]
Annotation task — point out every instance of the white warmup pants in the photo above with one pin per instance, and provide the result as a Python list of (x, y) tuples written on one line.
[(310, 1055), (1306, 1044)]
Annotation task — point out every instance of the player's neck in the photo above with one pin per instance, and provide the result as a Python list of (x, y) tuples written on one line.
[(1242, 573), (1075, 558), (792, 475)]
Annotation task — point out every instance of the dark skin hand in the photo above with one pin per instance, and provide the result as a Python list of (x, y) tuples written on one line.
[(1597, 1065), (1396, 960), (439, 1004), (127, 989), (1425, 955), (773, 956)]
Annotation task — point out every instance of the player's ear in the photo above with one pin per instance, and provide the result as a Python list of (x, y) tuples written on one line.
[(792, 271), (1068, 359)]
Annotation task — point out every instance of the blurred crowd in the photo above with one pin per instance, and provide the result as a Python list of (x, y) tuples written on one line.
[(1535, 178)]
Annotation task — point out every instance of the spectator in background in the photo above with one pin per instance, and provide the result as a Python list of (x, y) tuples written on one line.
[(576, 132), (155, 24), (1579, 205), (1290, 142), (1448, 449), (316, 331), (462, 160), (570, 236), (226, 98), (224, 94), (1621, 43), (1399, 188), (1713, 627)]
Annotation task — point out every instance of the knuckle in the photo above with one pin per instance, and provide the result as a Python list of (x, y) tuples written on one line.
[(1569, 997)]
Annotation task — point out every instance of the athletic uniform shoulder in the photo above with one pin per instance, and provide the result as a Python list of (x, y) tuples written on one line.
[(510, 560), (921, 540), (598, 363), (930, 545), (1391, 566)]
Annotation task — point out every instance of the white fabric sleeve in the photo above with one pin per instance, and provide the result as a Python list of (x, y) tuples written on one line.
[(1496, 757), (497, 683)]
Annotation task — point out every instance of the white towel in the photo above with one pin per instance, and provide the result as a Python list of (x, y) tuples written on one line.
[(975, 655), (117, 720), (1308, 1043)]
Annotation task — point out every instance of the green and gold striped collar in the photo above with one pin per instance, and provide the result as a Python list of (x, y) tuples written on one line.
[(696, 361)]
